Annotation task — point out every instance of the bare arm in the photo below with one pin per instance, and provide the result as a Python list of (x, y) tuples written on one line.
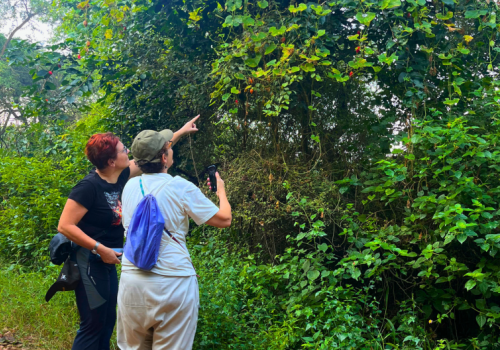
[(223, 217), (188, 128), (72, 213)]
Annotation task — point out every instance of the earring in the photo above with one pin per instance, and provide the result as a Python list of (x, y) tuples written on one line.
[(166, 167)]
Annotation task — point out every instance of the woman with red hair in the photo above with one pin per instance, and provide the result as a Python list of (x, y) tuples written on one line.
[(91, 219)]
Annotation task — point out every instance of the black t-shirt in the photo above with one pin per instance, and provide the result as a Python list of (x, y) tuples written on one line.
[(103, 202)]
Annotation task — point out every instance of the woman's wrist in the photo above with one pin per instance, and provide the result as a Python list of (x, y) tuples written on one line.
[(100, 248)]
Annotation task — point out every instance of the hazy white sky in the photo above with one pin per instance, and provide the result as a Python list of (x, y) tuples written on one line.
[(35, 31)]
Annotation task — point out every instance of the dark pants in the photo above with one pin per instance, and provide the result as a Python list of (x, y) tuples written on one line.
[(96, 326)]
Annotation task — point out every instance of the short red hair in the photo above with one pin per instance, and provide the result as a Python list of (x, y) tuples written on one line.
[(100, 148)]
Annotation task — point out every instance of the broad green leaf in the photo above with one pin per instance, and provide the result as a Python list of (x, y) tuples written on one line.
[(481, 303), (462, 238), (253, 62), (233, 5), (248, 21), (312, 274), (461, 224), (445, 17), (308, 67), (234, 90), (294, 9), (445, 57), (306, 265), (259, 36), (481, 320), (470, 284), (472, 14), (451, 102), (388, 60), (226, 96), (388, 4), (233, 21), (276, 32), (270, 49), (365, 18), (262, 4), (50, 86), (323, 247)]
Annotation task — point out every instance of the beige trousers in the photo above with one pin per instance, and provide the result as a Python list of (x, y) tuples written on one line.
[(156, 312)]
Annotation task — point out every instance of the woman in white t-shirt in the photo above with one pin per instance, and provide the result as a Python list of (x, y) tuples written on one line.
[(158, 309)]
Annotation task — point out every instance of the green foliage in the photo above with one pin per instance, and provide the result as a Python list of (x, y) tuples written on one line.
[(37, 175), (441, 199), (47, 326), (358, 141)]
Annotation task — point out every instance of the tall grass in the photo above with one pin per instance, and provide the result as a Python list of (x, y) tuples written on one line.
[(23, 308)]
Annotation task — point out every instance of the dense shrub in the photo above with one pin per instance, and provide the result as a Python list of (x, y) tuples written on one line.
[(35, 182)]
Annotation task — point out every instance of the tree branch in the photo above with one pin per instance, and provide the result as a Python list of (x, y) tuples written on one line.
[(30, 16)]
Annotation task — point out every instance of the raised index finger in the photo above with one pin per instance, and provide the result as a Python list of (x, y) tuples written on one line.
[(195, 119)]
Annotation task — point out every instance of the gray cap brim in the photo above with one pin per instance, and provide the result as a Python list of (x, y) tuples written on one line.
[(167, 134)]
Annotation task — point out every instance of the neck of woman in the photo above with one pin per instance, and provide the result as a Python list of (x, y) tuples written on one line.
[(109, 174)]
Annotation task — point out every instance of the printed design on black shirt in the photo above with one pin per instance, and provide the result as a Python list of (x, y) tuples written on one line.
[(113, 199)]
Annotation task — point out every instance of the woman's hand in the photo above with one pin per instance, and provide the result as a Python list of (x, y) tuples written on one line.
[(220, 184), (223, 217), (190, 126), (108, 255)]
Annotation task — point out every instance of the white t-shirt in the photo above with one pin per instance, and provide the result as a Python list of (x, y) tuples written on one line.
[(178, 200)]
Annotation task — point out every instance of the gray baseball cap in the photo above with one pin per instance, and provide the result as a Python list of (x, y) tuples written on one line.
[(148, 143)]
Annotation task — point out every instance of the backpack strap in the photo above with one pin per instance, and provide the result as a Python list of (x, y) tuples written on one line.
[(142, 189), (157, 190)]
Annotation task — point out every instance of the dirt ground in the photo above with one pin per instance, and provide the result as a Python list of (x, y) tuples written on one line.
[(9, 341)]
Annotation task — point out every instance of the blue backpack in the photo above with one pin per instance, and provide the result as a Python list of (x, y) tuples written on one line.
[(144, 232)]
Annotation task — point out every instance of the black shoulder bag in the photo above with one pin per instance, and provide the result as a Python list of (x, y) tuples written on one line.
[(60, 247)]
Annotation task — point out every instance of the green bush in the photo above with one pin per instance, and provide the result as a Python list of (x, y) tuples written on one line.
[(35, 186)]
